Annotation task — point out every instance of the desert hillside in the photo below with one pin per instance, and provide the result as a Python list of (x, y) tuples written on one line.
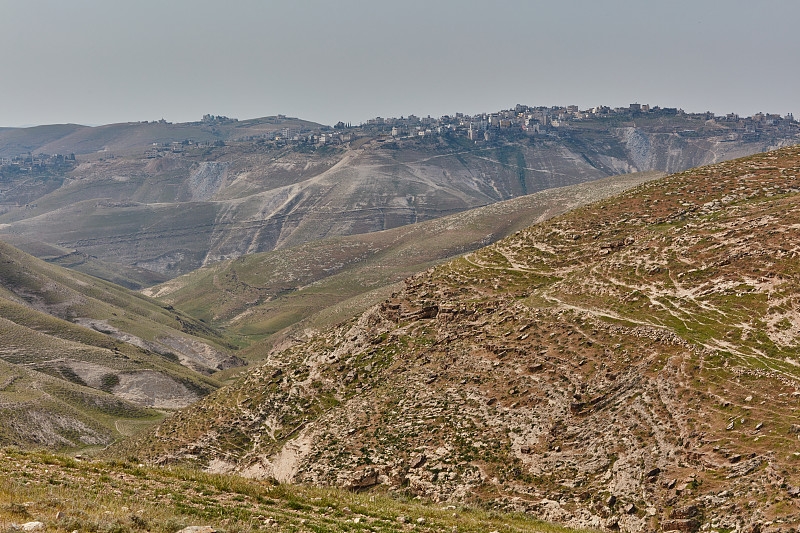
[(85, 362), (631, 364), (180, 201), (267, 297)]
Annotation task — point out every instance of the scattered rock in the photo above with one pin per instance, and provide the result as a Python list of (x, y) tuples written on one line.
[(32, 526), (689, 511), (418, 461), (682, 524), (745, 467)]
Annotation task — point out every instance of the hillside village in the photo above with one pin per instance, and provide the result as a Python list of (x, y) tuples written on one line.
[(552, 121), (521, 120)]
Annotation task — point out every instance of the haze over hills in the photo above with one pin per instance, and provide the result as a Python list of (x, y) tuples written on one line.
[(189, 201), (631, 364), (135, 136)]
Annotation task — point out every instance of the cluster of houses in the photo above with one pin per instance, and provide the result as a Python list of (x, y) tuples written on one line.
[(28, 162), (483, 127), (540, 120), (520, 120), (531, 121)]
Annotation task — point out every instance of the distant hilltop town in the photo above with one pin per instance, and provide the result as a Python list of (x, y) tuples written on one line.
[(554, 121), (522, 121)]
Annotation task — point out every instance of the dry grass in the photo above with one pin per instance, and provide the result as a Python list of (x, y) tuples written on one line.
[(122, 496)]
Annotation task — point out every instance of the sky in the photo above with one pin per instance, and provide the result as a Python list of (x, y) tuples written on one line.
[(104, 61)]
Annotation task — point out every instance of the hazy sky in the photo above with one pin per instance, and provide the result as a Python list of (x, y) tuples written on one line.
[(101, 61)]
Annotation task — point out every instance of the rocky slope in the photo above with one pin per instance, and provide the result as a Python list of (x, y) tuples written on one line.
[(630, 365), (294, 292), (201, 204), (82, 359)]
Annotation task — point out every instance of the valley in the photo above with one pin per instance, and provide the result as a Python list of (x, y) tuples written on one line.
[(536, 321)]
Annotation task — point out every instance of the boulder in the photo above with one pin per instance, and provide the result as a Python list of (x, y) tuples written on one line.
[(363, 480), (689, 511), (418, 461), (682, 524)]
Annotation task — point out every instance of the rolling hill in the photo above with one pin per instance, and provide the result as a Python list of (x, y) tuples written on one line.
[(629, 365), (293, 292), (85, 361), (133, 136), (172, 209), (68, 494)]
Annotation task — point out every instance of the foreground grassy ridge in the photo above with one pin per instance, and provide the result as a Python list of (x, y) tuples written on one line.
[(123, 496)]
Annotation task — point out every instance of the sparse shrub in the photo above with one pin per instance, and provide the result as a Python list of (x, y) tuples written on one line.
[(17, 510), (108, 382), (138, 522), (171, 525)]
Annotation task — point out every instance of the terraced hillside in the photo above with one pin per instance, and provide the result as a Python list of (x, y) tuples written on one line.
[(83, 360), (631, 364), (194, 205), (294, 292)]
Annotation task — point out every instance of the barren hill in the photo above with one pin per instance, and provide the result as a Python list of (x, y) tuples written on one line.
[(170, 210), (132, 136), (295, 291), (83, 359), (631, 364)]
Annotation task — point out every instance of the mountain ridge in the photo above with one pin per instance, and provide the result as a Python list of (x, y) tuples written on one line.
[(171, 209), (266, 293), (124, 137)]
